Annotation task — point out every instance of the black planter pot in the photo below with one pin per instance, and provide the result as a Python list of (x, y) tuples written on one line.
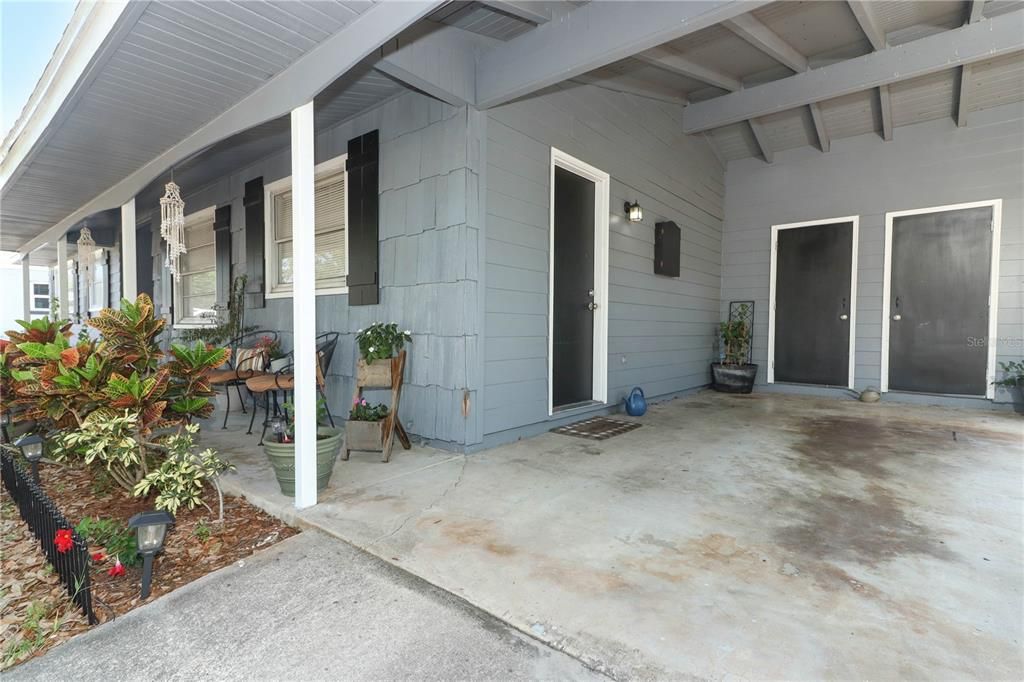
[(733, 378)]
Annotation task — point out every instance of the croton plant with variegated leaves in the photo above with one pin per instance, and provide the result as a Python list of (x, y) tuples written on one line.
[(113, 401)]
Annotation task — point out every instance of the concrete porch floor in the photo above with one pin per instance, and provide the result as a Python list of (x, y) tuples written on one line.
[(762, 536)]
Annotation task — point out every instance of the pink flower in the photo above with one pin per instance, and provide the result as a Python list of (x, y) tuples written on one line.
[(364, 402), (117, 569), (356, 401)]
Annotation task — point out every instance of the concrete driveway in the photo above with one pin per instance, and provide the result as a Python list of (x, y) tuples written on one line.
[(761, 536), (309, 608)]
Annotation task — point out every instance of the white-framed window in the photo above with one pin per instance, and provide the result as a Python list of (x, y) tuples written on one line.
[(98, 283), (195, 294), (331, 231), (40, 299)]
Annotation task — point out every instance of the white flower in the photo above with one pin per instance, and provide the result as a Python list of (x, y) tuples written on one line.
[(359, 331), (371, 349), (407, 332)]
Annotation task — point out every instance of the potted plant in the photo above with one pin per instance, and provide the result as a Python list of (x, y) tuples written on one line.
[(271, 348), (280, 448), (734, 374), (365, 428), (378, 344), (1013, 382)]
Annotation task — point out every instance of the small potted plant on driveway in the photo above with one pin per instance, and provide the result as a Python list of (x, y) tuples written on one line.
[(1013, 382), (734, 374), (280, 448)]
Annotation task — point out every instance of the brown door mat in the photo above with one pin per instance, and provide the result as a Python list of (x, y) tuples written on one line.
[(597, 428)]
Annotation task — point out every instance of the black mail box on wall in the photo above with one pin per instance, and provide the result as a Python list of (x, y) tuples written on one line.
[(666, 249)]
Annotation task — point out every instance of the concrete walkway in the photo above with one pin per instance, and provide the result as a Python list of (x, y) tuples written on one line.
[(309, 608), (761, 536)]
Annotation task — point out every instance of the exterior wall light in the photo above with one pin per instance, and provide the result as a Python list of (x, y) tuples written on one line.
[(633, 212), (31, 446), (150, 531)]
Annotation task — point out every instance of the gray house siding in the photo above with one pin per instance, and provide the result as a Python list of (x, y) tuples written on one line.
[(929, 164), (428, 260), (661, 330)]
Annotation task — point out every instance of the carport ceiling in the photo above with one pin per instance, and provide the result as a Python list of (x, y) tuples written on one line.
[(718, 70)]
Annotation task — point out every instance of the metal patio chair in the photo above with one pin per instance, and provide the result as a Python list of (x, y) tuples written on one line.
[(284, 381), (245, 362)]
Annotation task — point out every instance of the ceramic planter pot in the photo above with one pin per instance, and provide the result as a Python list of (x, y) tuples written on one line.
[(733, 378), (282, 458), (364, 435)]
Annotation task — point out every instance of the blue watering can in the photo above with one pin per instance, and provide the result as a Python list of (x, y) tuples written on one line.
[(635, 403)]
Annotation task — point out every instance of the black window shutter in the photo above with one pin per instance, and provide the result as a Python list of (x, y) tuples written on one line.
[(254, 219), (144, 260), (363, 246), (222, 246)]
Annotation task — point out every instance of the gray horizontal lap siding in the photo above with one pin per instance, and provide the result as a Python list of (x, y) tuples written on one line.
[(428, 261), (929, 164), (661, 330)]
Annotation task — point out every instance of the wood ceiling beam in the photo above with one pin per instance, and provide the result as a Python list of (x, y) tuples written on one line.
[(975, 11), (437, 60), (885, 105), (824, 142), (761, 135), (746, 26), (588, 38), (527, 11), (963, 102), (869, 23), (668, 60), (964, 45)]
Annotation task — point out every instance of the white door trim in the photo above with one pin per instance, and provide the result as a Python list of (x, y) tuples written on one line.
[(993, 292), (602, 188), (855, 219)]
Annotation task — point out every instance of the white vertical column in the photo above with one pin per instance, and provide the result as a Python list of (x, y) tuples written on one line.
[(304, 305), (61, 278), (129, 285), (26, 287)]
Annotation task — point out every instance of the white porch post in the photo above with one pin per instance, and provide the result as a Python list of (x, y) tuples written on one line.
[(129, 287), (304, 305), (61, 278), (26, 287)]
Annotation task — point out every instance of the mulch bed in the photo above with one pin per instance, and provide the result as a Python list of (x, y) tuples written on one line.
[(195, 545)]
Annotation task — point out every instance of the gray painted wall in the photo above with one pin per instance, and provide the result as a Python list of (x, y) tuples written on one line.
[(661, 330), (929, 164), (428, 259)]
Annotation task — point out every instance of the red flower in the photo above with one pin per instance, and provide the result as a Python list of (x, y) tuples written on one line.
[(4, 343), (116, 570), (98, 557), (63, 540)]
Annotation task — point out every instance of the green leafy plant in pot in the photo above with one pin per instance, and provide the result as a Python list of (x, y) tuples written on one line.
[(1013, 382), (734, 374), (280, 448), (365, 427)]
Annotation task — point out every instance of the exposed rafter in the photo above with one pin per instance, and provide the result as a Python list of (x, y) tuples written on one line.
[(976, 13), (290, 88), (746, 26), (865, 15), (527, 11), (761, 135), (964, 45), (824, 142), (673, 62), (437, 60), (588, 38), (885, 105), (963, 103)]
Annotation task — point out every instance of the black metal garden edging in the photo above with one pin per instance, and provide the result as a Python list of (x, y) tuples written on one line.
[(44, 520)]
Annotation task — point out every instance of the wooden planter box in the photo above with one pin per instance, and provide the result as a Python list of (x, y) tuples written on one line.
[(376, 374), (364, 435)]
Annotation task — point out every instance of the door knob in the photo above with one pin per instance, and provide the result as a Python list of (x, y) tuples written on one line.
[(591, 306), (844, 316), (897, 317)]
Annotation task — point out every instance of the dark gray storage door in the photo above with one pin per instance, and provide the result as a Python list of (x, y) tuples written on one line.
[(812, 304), (573, 322), (938, 302)]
